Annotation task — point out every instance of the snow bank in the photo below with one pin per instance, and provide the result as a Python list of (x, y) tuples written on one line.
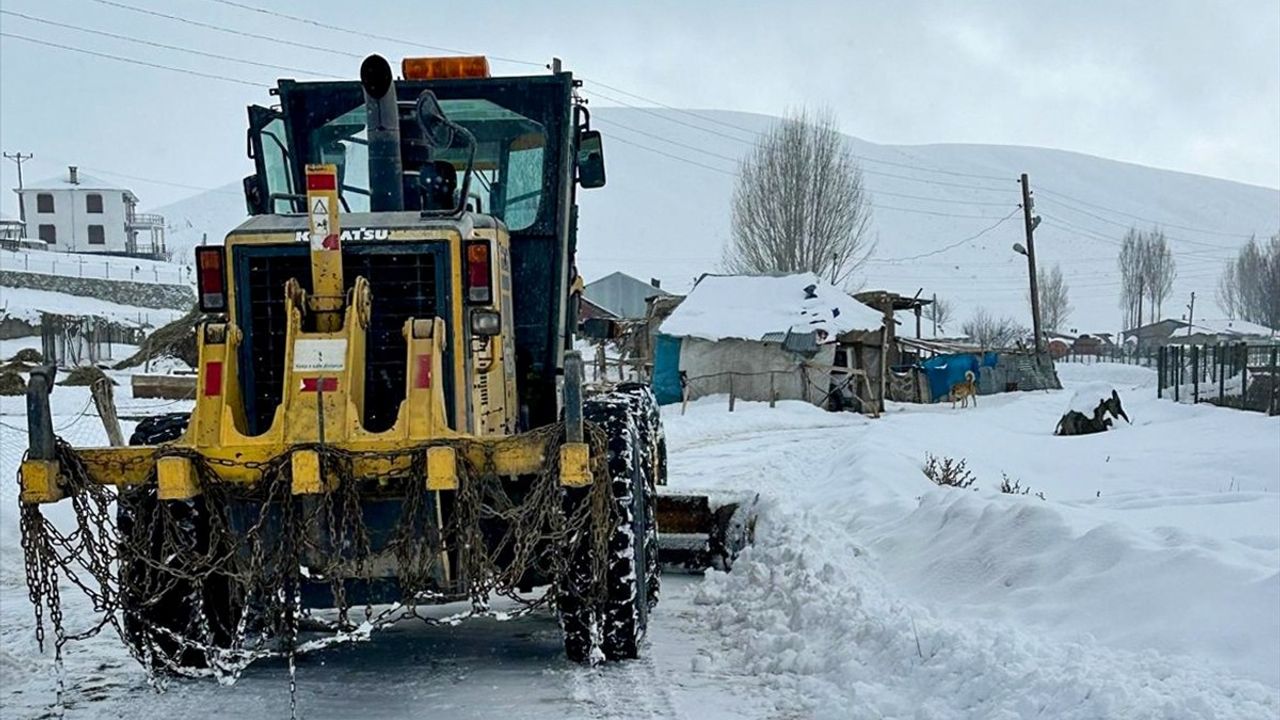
[(806, 613), (750, 307)]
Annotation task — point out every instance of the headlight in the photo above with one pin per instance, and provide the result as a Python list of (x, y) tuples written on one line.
[(486, 322)]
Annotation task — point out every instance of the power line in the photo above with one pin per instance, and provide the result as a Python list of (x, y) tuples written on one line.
[(1139, 217), (373, 36), (144, 63), (953, 245), (230, 31), (1070, 208), (150, 43)]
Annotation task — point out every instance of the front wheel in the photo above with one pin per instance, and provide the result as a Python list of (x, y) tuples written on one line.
[(615, 621)]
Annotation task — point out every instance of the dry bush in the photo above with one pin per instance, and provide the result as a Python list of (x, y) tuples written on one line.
[(11, 383), (948, 472), (86, 376), (1016, 488), (30, 356)]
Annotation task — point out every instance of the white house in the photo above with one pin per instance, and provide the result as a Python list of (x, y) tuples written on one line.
[(83, 214)]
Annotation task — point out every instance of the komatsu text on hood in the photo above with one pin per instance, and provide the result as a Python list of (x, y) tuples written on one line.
[(350, 235)]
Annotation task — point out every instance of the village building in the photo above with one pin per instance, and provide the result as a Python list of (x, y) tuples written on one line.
[(79, 213), (621, 295), (1209, 331), (768, 338)]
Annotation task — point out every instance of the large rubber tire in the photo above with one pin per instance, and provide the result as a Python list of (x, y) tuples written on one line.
[(653, 462), (615, 626), (154, 600)]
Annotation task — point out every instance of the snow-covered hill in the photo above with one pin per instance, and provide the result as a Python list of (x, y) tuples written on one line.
[(665, 214)]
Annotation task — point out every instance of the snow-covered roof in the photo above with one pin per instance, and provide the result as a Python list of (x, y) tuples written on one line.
[(750, 307), (84, 181), (1231, 327)]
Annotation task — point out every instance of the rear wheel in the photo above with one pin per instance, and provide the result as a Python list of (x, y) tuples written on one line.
[(173, 610), (616, 622)]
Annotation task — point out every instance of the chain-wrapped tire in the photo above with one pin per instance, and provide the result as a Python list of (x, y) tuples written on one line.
[(653, 462), (174, 609), (614, 622)]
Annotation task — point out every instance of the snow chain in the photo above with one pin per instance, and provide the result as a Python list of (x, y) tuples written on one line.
[(263, 565)]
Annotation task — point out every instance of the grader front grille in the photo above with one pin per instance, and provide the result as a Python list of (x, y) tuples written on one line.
[(406, 280)]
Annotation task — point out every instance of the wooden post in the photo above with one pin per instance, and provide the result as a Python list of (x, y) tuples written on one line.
[(102, 398), (1275, 385), (731, 396), (1222, 374), (1195, 373), (684, 397), (773, 394), (1160, 373), (1177, 371), (1244, 374)]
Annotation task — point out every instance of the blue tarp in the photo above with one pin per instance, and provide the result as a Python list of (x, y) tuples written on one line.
[(944, 371), (666, 369)]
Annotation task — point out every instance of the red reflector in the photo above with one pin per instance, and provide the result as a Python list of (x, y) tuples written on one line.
[(211, 278), (322, 181), (478, 272), (327, 384), (422, 378), (213, 378)]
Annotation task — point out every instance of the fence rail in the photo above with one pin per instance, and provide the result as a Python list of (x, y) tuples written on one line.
[(1235, 375), (106, 267), (1144, 358)]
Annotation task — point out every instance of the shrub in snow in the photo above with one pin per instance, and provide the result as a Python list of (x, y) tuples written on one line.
[(1016, 488), (948, 472)]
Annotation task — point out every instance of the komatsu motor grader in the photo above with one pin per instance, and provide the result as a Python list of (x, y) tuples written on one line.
[(388, 410)]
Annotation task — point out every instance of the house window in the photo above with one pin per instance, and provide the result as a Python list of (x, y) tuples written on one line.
[(44, 203), (49, 234), (97, 236), (93, 204)]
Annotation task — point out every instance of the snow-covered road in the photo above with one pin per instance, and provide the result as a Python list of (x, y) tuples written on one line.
[(1145, 584)]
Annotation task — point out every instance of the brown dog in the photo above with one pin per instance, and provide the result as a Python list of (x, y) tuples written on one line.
[(962, 391)]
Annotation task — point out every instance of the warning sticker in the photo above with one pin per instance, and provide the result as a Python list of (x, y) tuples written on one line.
[(319, 354)]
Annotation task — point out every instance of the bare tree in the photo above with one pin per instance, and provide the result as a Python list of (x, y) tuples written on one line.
[(1147, 271), (1159, 271), (990, 332), (1055, 308), (939, 313), (1249, 287), (800, 203)]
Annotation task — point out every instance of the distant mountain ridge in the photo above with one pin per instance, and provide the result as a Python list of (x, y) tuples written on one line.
[(945, 215)]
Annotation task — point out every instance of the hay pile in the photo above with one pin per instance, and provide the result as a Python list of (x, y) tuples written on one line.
[(86, 376), (177, 339), (11, 383), (30, 356)]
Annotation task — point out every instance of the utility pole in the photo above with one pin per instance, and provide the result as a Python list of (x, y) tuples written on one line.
[(1191, 312), (934, 308), (1030, 222), (18, 158)]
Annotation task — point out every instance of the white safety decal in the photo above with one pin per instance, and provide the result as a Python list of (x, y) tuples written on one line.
[(311, 354)]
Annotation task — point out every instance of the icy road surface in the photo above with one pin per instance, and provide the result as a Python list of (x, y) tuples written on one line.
[(1145, 585)]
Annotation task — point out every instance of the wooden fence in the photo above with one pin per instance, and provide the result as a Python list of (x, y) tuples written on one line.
[(1236, 375)]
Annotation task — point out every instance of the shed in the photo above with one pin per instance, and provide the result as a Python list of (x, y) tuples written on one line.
[(761, 337), (622, 295)]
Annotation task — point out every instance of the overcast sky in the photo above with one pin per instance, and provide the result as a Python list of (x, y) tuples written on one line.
[(1191, 86)]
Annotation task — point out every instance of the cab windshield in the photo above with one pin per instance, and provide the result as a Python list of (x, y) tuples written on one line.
[(507, 177)]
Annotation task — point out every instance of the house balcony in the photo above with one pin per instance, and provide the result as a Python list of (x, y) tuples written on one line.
[(144, 221)]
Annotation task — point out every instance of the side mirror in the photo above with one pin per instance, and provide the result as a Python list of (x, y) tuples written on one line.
[(436, 128), (590, 159), (254, 202)]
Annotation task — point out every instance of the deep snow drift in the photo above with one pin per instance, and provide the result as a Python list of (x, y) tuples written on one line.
[(1144, 585)]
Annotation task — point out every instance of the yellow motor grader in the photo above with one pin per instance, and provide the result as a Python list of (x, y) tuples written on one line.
[(388, 410)]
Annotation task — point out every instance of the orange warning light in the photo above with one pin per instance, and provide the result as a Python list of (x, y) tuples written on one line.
[(440, 68)]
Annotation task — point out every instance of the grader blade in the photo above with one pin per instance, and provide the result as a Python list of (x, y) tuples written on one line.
[(695, 534)]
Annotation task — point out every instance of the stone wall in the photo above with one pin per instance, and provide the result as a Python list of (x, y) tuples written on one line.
[(122, 292)]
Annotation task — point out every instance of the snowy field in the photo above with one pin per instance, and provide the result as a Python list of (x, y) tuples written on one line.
[(1146, 583)]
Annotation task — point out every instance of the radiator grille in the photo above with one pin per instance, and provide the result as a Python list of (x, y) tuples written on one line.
[(404, 284)]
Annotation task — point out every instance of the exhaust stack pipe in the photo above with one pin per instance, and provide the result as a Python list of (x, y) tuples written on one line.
[(386, 170)]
